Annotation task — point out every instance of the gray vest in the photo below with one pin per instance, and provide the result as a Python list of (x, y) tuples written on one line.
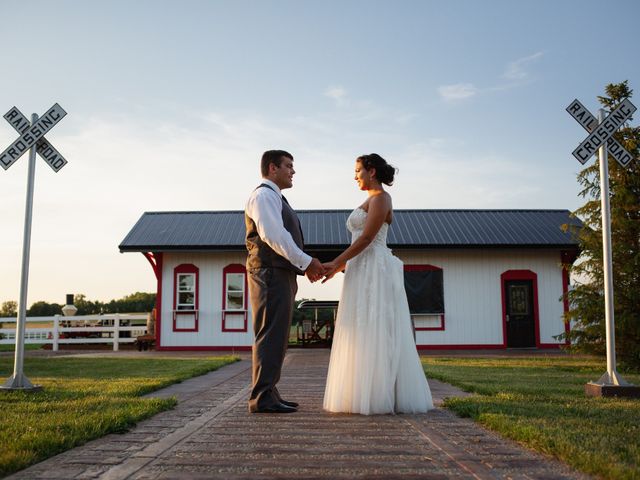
[(262, 255)]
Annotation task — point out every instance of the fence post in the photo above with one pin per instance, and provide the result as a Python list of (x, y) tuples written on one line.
[(116, 332), (55, 334)]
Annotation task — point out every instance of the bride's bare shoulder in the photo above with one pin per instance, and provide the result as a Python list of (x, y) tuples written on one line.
[(382, 198)]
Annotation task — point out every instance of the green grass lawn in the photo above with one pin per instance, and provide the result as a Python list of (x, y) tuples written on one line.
[(83, 399), (540, 402), (27, 346)]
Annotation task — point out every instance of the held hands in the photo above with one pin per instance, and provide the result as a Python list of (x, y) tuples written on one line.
[(330, 269), (315, 270)]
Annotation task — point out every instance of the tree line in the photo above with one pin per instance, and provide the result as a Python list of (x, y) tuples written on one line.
[(133, 303)]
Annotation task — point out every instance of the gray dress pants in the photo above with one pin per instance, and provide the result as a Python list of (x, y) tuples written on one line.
[(272, 292)]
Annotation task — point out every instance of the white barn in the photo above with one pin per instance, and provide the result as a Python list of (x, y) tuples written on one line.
[(475, 279)]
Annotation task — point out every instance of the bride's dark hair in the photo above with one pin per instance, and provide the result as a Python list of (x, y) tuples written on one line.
[(384, 171)]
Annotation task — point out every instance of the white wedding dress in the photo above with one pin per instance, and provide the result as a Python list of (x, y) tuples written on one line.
[(374, 366)]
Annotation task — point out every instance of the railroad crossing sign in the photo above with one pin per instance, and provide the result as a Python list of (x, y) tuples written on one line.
[(600, 139), (600, 134), (31, 138), (33, 134)]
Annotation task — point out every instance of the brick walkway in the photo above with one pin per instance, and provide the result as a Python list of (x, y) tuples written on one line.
[(210, 435)]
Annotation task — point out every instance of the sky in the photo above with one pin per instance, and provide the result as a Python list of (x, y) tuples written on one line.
[(170, 105)]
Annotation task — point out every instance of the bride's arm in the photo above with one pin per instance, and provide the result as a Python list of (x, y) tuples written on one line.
[(379, 207)]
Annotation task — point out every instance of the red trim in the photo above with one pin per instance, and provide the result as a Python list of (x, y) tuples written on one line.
[(426, 268), (155, 259), (154, 263), (490, 346), (566, 258), (204, 349), (177, 313), (481, 347), (180, 269), (234, 268), (520, 275), (423, 329)]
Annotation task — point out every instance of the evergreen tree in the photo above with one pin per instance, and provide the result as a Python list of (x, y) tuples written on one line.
[(587, 297)]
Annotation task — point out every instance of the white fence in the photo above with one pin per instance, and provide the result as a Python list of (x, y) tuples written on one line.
[(107, 328)]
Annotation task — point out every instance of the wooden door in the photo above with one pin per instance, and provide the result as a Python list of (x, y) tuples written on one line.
[(521, 331)]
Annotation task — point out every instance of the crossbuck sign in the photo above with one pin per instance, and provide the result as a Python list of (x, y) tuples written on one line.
[(600, 134), (31, 138), (33, 134), (600, 139)]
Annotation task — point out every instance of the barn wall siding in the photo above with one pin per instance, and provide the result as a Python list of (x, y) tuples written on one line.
[(472, 293), (472, 296), (209, 332)]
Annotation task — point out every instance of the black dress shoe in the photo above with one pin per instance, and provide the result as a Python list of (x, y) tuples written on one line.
[(289, 404), (277, 408)]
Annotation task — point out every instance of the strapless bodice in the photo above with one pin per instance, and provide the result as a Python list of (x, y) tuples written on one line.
[(355, 224)]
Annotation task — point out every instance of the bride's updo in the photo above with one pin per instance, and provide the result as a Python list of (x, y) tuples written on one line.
[(384, 171)]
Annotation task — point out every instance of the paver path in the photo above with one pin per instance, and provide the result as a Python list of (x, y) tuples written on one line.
[(210, 435)]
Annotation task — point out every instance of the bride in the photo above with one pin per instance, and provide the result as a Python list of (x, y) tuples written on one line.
[(374, 366)]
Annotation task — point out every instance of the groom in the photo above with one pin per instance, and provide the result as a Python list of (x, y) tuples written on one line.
[(274, 241)]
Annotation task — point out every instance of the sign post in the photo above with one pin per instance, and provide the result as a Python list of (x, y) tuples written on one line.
[(600, 138), (32, 139)]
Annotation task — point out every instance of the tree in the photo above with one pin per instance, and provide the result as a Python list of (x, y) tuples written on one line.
[(587, 297), (135, 302), (9, 309), (87, 307), (44, 309)]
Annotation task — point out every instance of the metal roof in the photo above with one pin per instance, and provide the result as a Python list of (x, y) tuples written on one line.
[(325, 229)]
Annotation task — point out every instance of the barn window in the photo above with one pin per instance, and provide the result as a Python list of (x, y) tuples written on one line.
[(425, 294), (234, 298), (185, 298), (186, 291)]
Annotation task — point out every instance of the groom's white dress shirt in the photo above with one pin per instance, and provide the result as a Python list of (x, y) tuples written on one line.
[(264, 207)]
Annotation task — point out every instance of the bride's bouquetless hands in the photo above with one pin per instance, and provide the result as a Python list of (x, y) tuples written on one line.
[(330, 269)]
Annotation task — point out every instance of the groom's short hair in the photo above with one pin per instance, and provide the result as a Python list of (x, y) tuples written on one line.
[(272, 156)]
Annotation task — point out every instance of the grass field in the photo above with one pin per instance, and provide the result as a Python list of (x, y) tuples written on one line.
[(27, 346), (540, 402), (83, 399)]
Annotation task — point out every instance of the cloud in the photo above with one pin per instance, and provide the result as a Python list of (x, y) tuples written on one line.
[(458, 91), (337, 93), (517, 70)]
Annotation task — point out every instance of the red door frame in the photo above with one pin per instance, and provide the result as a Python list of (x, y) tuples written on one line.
[(521, 275)]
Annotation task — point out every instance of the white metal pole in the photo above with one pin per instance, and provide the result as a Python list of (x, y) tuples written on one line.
[(18, 380), (611, 377)]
